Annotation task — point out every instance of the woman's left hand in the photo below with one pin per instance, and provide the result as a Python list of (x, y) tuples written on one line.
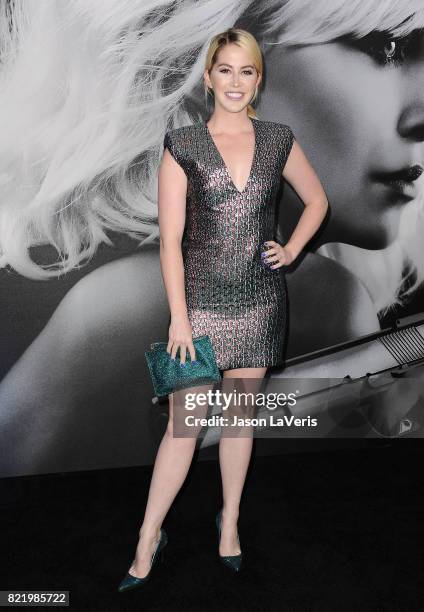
[(277, 255)]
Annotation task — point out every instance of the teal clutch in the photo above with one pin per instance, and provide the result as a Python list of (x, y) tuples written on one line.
[(167, 375)]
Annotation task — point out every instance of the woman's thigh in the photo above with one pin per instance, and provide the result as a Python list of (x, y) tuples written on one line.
[(186, 409), (245, 384)]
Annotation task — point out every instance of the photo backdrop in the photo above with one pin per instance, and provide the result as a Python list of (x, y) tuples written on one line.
[(88, 89)]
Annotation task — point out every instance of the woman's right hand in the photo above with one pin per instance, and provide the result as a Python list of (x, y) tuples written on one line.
[(180, 337)]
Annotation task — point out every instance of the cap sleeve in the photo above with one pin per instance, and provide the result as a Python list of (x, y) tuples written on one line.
[(287, 140), (171, 143)]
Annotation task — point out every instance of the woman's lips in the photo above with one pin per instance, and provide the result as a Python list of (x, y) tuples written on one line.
[(402, 180), (236, 97)]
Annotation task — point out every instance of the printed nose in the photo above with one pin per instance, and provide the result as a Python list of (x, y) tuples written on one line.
[(411, 123)]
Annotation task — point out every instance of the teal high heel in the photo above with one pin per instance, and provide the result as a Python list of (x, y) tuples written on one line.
[(132, 582), (231, 561)]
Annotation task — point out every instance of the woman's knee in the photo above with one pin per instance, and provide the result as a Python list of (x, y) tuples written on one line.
[(177, 430)]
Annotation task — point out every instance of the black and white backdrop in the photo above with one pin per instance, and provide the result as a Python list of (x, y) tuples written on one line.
[(87, 90)]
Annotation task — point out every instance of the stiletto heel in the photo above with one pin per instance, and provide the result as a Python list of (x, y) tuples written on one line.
[(132, 582), (231, 561)]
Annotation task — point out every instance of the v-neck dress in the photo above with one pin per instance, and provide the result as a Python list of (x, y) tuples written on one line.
[(231, 294)]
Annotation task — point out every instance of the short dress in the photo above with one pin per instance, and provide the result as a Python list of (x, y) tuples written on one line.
[(231, 294)]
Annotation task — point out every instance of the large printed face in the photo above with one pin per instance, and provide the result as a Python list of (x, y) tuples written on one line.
[(357, 109)]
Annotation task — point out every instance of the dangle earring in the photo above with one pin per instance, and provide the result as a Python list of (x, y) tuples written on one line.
[(390, 53)]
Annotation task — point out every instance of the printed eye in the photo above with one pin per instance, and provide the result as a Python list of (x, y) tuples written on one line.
[(390, 49), (383, 47)]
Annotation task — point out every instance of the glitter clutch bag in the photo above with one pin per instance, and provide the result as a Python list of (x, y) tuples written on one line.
[(167, 375)]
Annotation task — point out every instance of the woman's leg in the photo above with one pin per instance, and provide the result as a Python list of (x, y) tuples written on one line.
[(234, 458), (170, 470)]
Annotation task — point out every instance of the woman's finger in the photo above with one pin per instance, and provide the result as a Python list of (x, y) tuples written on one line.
[(192, 351), (174, 350), (182, 354)]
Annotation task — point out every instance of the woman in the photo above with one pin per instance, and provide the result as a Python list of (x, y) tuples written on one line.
[(359, 88), (220, 180)]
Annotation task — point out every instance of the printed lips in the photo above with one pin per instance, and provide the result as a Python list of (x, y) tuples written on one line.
[(402, 180)]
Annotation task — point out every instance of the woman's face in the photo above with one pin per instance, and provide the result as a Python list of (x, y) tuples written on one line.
[(233, 78), (359, 116)]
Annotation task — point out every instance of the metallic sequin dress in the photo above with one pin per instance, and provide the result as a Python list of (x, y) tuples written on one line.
[(231, 295)]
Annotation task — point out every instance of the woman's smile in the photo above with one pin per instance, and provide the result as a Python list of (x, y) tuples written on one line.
[(234, 95)]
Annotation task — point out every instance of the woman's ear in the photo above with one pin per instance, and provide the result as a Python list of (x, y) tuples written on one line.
[(205, 78)]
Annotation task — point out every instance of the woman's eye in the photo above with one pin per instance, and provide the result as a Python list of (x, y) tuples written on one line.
[(244, 71), (383, 47)]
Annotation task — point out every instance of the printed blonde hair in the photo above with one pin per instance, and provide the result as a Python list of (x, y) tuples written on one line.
[(88, 89)]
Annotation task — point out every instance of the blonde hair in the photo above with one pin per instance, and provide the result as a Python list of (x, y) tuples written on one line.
[(243, 39)]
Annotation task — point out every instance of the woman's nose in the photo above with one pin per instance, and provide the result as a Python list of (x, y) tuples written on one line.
[(411, 122)]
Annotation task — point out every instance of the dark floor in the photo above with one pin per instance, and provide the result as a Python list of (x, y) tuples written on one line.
[(321, 531)]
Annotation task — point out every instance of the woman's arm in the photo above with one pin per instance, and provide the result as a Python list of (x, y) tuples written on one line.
[(172, 191), (299, 173)]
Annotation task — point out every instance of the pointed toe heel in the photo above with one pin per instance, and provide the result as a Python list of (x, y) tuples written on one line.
[(133, 582), (233, 562)]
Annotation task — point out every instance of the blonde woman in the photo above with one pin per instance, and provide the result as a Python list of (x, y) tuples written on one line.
[(218, 182)]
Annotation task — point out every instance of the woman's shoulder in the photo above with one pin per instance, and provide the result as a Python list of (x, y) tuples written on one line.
[(182, 131), (275, 126), (179, 140), (280, 134), (340, 301), (119, 291)]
